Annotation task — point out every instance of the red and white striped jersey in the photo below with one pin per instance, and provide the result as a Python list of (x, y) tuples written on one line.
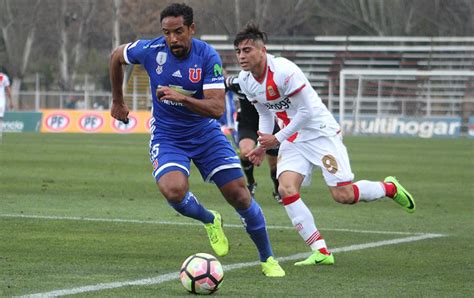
[(285, 92)]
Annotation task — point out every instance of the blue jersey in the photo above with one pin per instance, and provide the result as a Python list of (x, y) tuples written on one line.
[(200, 70)]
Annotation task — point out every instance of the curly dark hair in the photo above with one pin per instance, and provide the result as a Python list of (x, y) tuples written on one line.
[(177, 10), (252, 32)]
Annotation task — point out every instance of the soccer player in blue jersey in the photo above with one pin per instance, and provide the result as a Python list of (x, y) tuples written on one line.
[(187, 85)]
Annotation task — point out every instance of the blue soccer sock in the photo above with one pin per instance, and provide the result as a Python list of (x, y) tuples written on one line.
[(254, 222), (190, 207)]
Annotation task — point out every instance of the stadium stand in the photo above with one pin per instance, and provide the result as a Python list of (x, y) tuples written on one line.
[(323, 57)]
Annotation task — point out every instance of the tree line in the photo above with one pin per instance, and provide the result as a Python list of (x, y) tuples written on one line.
[(65, 39)]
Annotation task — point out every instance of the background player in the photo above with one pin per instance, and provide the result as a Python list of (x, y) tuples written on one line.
[(5, 97), (247, 127), (228, 119), (187, 86), (311, 138)]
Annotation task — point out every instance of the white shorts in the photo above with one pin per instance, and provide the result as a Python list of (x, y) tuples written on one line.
[(327, 153)]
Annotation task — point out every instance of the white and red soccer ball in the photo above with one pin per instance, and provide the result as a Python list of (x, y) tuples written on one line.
[(201, 273)]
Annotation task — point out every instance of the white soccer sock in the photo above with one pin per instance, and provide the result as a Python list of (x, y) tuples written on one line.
[(303, 221), (369, 190)]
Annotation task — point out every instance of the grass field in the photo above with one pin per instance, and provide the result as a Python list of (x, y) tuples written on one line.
[(80, 214)]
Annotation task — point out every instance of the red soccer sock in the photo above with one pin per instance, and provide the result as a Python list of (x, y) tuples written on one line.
[(390, 189), (355, 188)]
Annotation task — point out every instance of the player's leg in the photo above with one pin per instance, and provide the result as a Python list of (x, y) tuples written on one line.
[(272, 157), (1, 129), (218, 163), (2, 113), (251, 215), (292, 169), (171, 171), (246, 144), (338, 175)]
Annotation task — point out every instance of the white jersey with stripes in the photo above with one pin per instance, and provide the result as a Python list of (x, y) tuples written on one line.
[(285, 92)]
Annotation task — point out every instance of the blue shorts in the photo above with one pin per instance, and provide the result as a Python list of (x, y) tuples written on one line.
[(210, 154)]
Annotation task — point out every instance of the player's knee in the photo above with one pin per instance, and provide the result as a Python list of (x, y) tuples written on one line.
[(240, 199), (243, 153), (236, 194), (287, 190), (173, 192), (343, 195)]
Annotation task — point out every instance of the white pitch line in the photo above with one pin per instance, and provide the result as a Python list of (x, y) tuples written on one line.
[(174, 275), (119, 220)]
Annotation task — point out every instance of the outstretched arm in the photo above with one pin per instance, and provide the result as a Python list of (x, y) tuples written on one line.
[(119, 109)]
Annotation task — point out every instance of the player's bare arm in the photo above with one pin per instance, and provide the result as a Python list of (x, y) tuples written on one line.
[(266, 123), (212, 105), (119, 109), (267, 141), (257, 155)]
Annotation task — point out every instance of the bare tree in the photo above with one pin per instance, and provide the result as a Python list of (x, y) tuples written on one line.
[(395, 17), (18, 21), (73, 20), (116, 24)]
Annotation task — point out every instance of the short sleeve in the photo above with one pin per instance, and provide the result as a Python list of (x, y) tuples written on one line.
[(213, 75), (134, 53)]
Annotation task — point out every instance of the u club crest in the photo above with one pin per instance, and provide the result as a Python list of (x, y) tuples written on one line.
[(195, 74)]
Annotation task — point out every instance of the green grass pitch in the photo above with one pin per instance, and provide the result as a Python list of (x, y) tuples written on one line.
[(81, 211)]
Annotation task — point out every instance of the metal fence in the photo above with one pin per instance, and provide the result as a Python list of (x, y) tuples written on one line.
[(87, 100)]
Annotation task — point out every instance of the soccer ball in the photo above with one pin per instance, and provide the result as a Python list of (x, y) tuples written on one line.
[(201, 274)]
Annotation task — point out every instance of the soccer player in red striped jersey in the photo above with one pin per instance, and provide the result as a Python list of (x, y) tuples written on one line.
[(310, 138)]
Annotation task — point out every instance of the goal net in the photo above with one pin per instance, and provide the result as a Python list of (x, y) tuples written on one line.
[(405, 102)]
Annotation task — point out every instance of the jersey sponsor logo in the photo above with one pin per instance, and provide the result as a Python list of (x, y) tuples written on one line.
[(161, 58), (217, 70), (195, 74), (1, 78), (171, 103), (221, 78), (91, 122), (119, 126), (57, 122), (160, 45), (281, 105), (177, 74)]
